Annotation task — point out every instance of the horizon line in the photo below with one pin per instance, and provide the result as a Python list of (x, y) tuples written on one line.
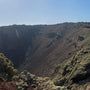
[(41, 24)]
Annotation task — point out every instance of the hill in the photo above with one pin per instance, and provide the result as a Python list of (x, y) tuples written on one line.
[(60, 51), (41, 47)]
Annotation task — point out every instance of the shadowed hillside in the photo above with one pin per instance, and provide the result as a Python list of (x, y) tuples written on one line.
[(41, 47), (15, 40)]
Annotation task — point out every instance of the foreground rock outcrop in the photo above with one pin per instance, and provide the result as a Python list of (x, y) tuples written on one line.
[(75, 73)]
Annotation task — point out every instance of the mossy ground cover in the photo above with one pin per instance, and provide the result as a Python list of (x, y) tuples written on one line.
[(76, 71), (7, 71)]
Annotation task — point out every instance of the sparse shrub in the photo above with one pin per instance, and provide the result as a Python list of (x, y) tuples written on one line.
[(60, 82), (52, 35), (21, 85), (25, 78), (7, 71), (80, 38)]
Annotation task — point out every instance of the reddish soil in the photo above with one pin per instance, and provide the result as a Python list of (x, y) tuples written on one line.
[(8, 85)]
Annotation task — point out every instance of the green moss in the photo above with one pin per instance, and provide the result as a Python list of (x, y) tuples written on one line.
[(7, 71), (74, 71)]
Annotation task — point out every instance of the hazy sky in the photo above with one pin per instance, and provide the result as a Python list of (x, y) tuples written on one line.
[(43, 11)]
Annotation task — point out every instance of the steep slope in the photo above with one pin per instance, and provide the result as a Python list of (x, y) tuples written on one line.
[(75, 71), (73, 74), (15, 40), (41, 47), (57, 43)]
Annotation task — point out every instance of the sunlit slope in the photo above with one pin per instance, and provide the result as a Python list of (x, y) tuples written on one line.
[(56, 44)]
